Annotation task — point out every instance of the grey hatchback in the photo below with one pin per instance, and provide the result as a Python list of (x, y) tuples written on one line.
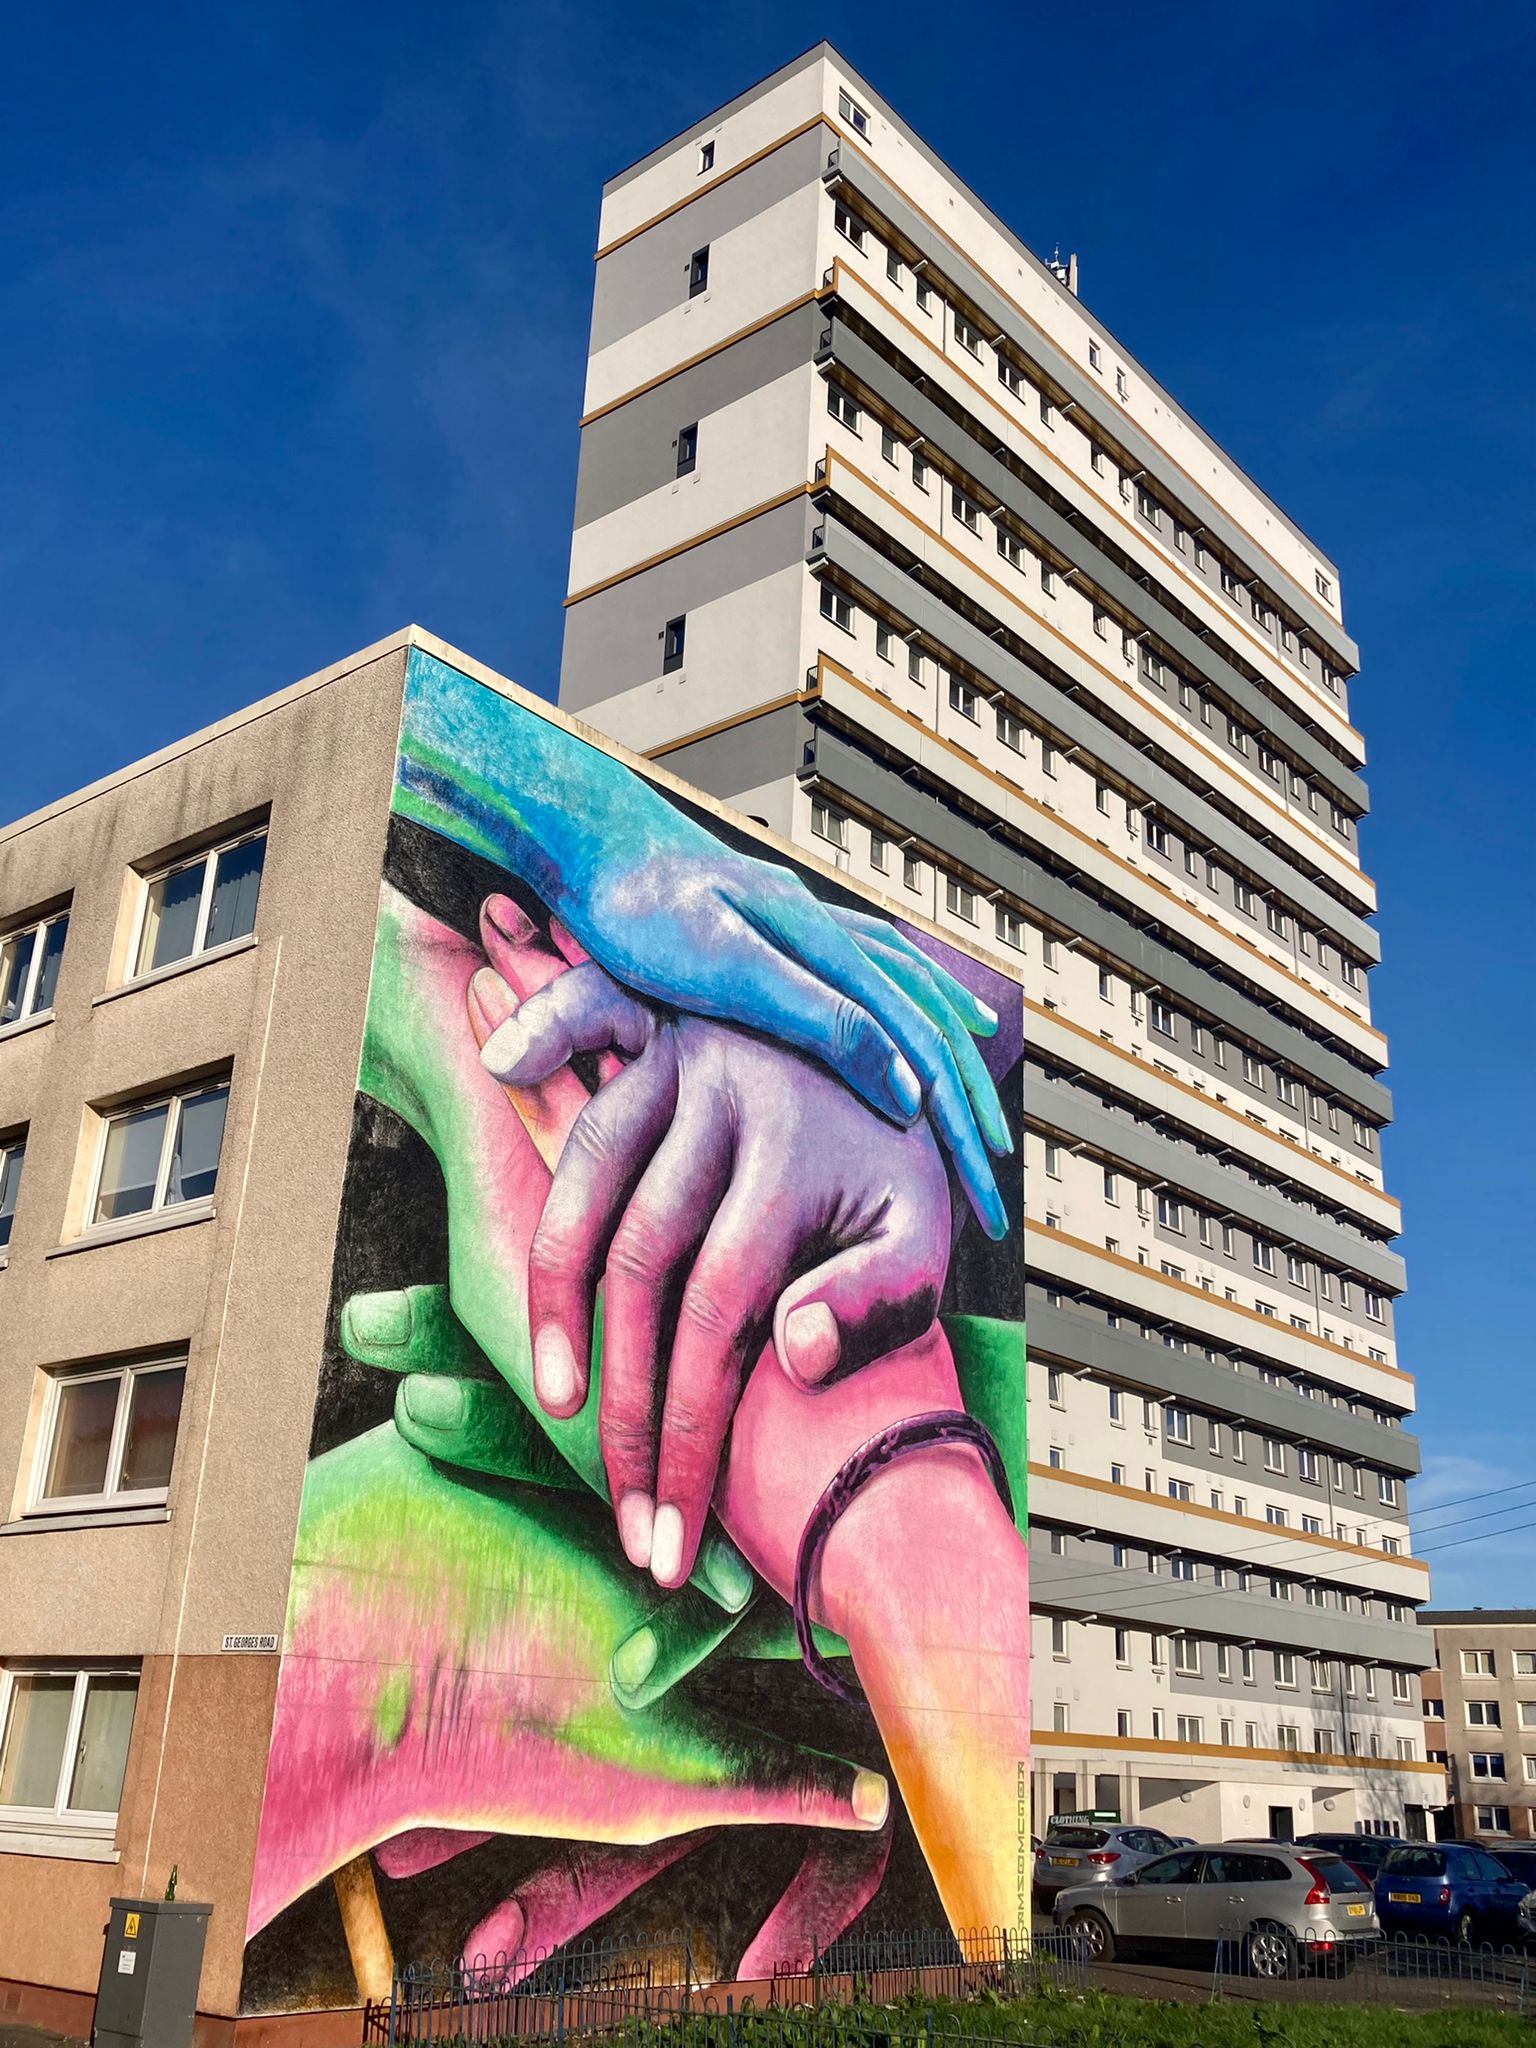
[(1077, 1852), (1277, 1900)]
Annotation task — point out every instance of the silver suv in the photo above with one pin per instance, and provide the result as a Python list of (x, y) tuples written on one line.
[(1280, 1902), (1076, 1853)]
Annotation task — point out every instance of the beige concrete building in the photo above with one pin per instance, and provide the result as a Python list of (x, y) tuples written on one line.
[(1480, 1721), (884, 538)]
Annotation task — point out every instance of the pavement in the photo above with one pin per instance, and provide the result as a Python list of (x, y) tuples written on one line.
[(12, 2036)]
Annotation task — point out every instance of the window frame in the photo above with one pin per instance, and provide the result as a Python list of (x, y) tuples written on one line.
[(39, 1504), (38, 927), (210, 855), (60, 1821), (176, 1098)]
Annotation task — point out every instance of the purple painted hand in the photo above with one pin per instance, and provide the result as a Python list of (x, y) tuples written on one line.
[(714, 1204)]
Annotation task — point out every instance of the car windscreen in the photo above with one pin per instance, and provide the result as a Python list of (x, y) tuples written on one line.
[(1414, 1862), (1075, 1838), (1519, 1863)]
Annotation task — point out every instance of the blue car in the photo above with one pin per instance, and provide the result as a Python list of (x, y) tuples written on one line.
[(1448, 1891)]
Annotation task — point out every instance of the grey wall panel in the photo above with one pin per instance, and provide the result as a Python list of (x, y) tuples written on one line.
[(613, 638), (1071, 1111), (1075, 720), (1072, 1338), (632, 450), (1091, 397), (885, 790), (1157, 1603), (744, 757), (1196, 656), (646, 276)]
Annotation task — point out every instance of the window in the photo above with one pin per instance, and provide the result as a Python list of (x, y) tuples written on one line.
[(1010, 927), (1010, 730), (1324, 587), (1322, 1675), (836, 607), (878, 848), (1375, 1308), (1122, 1646), (1047, 579), (1307, 1467), (1477, 1663), (1121, 388), (1048, 953), (962, 698), (1009, 373), (1163, 1018), (911, 871), (1180, 1489), (109, 1437), (1179, 1421), (849, 110), (1095, 358), (1148, 507), (883, 643), (64, 1746), (706, 157), (1274, 1455), (1186, 1658), (1059, 1637), (1525, 1663), (29, 969), (1402, 1687), (843, 407), (698, 272), (13, 1155), (1170, 1213), (1484, 1714), (924, 305), (1054, 1459), (829, 824), (1060, 1715), (1386, 1489), (1263, 1255), (1287, 1736), (687, 448), (1011, 548), (969, 337), (1488, 1763), (959, 899), (1191, 1728), (889, 447), (1277, 920), (1492, 1820), (159, 1155), (1116, 1404), (1247, 1666), (849, 225), (1285, 1667), (674, 637), (915, 666), (965, 509)]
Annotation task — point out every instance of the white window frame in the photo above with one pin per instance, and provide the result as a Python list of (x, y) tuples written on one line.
[(38, 926), (92, 1503), (209, 855), (60, 1821), (177, 1098)]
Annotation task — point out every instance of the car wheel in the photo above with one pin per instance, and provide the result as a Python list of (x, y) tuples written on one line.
[(1466, 1928), (1271, 1950), (1094, 1933)]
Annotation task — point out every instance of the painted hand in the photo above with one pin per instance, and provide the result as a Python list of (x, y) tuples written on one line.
[(678, 916), (705, 1174)]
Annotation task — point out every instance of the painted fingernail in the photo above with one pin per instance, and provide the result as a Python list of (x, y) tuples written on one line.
[(871, 1798), (433, 1402), (905, 1092), (554, 1369), (635, 1659), (504, 1048), (667, 1545), (984, 1010), (378, 1322), (508, 918), (636, 1515), (729, 1575), (491, 1002), (812, 1342)]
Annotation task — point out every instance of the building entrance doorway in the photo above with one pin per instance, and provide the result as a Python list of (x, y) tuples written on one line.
[(1282, 1824)]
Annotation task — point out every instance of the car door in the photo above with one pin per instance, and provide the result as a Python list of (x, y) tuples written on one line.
[(1150, 1905), (1504, 1892), (1210, 1912)]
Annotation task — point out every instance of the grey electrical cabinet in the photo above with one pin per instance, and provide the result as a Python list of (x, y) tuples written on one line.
[(150, 1970)]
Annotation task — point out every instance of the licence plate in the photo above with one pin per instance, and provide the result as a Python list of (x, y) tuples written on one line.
[(1356, 1912), (1406, 1898), (1070, 1862)]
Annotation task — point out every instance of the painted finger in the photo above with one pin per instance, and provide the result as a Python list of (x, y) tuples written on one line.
[(561, 1901), (910, 971), (838, 1876), (603, 1157), (869, 1298), (977, 1016), (581, 1010), (547, 1108), (409, 1329), (478, 1425), (420, 1849), (661, 1229), (669, 1644)]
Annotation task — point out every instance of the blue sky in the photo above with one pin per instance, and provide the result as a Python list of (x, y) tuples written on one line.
[(296, 304)]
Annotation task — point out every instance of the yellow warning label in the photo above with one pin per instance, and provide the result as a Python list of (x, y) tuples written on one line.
[(130, 1927)]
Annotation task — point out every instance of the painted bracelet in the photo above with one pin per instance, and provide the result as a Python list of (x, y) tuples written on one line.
[(917, 1433)]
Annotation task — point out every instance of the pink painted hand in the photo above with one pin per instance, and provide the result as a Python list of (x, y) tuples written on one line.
[(718, 1188)]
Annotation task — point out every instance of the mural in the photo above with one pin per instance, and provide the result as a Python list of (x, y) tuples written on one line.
[(660, 1561)]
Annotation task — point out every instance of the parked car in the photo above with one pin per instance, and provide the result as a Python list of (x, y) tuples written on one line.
[(1074, 1852), (1526, 1919), (1452, 1890), (1281, 1902), (1519, 1863), (1366, 1852)]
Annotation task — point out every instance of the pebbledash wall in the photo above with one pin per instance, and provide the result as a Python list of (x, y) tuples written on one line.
[(333, 1575)]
